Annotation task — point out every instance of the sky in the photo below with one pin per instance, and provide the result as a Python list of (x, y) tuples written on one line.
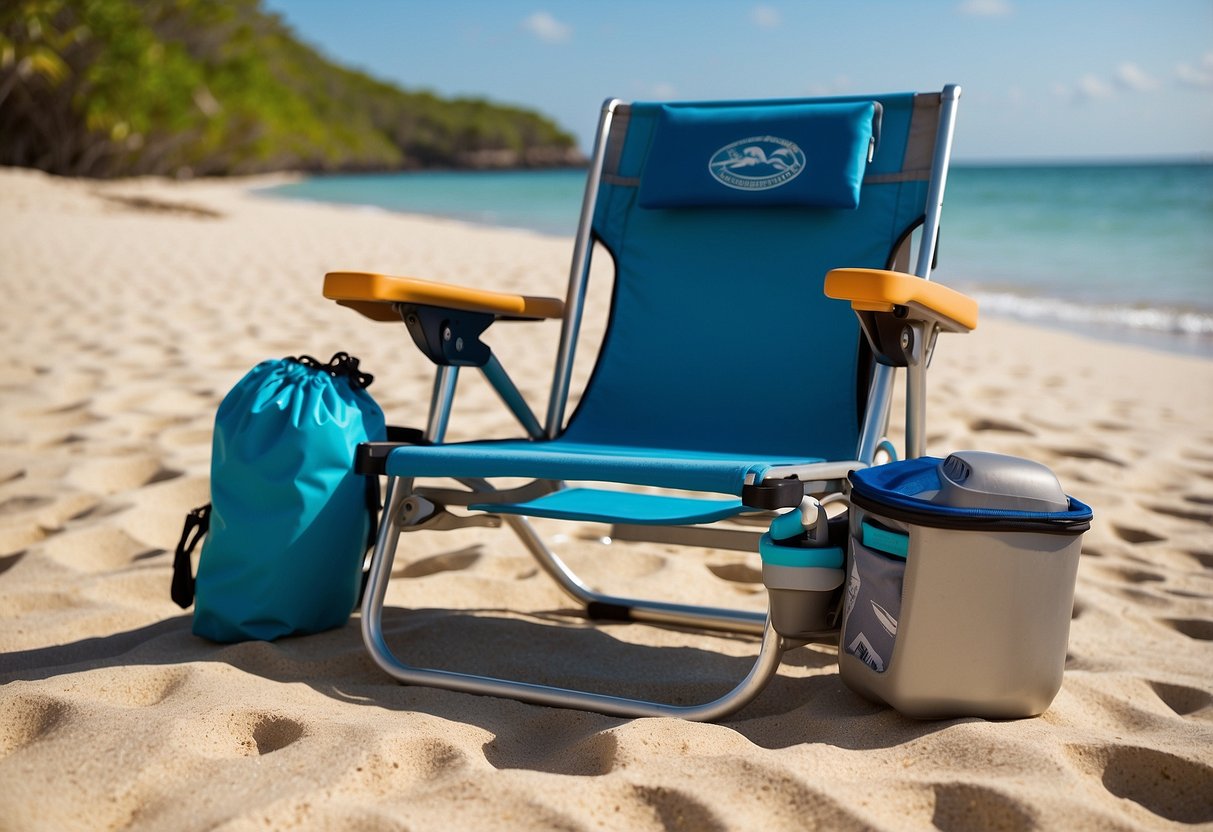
[(1041, 80)]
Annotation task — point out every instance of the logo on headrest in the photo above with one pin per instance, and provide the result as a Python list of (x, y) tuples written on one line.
[(758, 163)]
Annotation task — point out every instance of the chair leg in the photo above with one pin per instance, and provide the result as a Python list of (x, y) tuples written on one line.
[(764, 668)]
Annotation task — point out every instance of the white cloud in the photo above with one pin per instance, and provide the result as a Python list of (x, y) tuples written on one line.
[(766, 17), (663, 90), (547, 28), (1089, 87), (986, 8), (1199, 76), (1132, 77)]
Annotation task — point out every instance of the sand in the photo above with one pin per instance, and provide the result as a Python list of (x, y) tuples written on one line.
[(130, 307)]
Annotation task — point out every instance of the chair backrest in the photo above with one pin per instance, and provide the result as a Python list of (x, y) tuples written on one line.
[(722, 220)]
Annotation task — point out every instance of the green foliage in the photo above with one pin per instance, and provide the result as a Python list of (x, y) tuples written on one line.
[(197, 87)]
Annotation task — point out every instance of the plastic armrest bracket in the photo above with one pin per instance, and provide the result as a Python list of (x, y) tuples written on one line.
[(885, 301)]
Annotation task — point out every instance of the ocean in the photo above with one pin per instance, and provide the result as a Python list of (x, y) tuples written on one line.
[(1119, 252)]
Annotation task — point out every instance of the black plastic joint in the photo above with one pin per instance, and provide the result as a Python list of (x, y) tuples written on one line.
[(370, 459), (448, 337), (771, 494)]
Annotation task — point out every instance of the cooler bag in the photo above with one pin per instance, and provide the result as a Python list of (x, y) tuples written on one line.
[(960, 585)]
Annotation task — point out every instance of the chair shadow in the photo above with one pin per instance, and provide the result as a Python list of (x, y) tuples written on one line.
[(548, 647)]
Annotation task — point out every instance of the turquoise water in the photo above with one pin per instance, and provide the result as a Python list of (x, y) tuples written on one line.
[(1117, 251)]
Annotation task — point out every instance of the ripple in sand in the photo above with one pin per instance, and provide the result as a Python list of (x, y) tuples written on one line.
[(1205, 518), (965, 806), (110, 475), (1133, 576), (26, 719), (1136, 536), (22, 504), (1205, 559), (140, 686), (7, 562), (1198, 628), (1183, 700), (1088, 454), (97, 548), (998, 426)]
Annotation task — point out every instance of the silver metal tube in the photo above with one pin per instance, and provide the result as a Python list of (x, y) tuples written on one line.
[(512, 396), (398, 491), (939, 179), (916, 389), (579, 273), (657, 612), (440, 402), (876, 417), (381, 564)]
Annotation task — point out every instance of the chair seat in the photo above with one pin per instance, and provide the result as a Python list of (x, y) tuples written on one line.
[(558, 459), (601, 506)]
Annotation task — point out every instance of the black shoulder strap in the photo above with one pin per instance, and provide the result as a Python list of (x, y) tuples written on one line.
[(197, 523)]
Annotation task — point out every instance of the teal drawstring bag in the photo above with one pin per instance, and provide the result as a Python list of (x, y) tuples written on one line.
[(289, 521)]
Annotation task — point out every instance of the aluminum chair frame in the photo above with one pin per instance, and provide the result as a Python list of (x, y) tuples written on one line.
[(407, 508)]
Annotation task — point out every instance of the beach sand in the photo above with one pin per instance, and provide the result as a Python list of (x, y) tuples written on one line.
[(131, 307)]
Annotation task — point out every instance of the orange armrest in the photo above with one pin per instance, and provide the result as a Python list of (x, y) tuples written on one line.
[(374, 294), (879, 290)]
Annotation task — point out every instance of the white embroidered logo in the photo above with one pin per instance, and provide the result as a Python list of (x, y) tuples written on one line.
[(758, 163)]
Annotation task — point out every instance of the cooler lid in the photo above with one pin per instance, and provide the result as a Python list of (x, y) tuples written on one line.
[(970, 490)]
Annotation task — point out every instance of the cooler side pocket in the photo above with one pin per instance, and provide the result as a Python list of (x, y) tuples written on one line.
[(873, 599)]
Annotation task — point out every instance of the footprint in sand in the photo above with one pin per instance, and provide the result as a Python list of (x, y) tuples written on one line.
[(1183, 700), (678, 809), (445, 562), (557, 743), (1165, 784), (739, 573), (965, 806), (259, 733)]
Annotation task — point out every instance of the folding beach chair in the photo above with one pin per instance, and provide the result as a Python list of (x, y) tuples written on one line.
[(725, 369)]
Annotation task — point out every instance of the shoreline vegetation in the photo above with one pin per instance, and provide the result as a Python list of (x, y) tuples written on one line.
[(183, 88)]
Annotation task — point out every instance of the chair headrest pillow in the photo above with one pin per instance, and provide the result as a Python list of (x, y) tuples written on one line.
[(811, 154)]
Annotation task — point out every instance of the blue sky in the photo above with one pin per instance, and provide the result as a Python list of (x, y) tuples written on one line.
[(1048, 79)]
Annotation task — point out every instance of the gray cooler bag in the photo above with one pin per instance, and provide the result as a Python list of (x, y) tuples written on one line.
[(959, 585)]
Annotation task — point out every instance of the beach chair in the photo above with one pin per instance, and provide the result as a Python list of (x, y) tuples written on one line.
[(726, 372)]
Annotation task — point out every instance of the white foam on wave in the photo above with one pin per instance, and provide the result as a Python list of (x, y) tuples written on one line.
[(1183, 322)]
